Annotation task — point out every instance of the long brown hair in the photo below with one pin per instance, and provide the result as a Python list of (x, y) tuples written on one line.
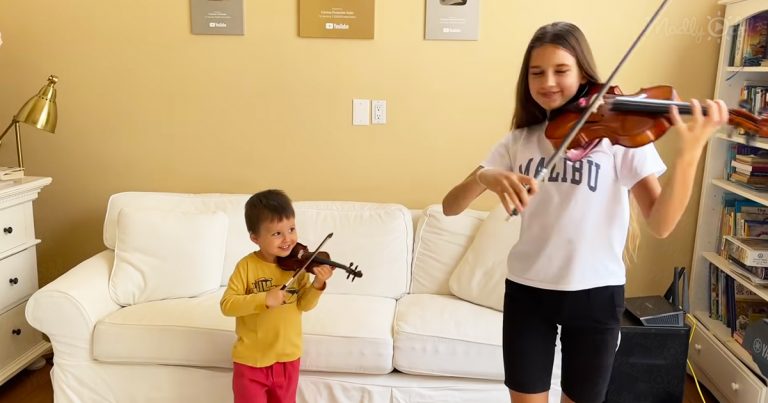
[(567, 36)]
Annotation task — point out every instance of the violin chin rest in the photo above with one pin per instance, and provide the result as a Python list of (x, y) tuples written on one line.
[(577, 154)]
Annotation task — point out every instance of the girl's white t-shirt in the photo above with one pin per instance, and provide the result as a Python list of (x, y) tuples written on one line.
[(574, 229)]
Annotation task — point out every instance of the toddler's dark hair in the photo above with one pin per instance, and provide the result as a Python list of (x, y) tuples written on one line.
[(266, 206)]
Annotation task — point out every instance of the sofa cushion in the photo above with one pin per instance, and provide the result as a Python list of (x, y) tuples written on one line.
[(345, 333), (238, 243), (349, 333), (479, 277), (439, 244), (184, 331), (435, 332), (166, 254), (377, 237)]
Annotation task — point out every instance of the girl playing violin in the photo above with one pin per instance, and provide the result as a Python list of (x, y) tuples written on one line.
[(567, 267)]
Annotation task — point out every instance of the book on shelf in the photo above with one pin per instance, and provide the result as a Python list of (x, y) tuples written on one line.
[(749, 251), (756, 35), (737, 44), (733, 304), (750, 222), (734, 212), (750, 308), (716, 283), (722, 305), (749, 179), (748, 41), (751, 155), (750, 210), (740, 218), (745, 158), (760, 272), (750, 173), (748, 277), (750, 168), (754, 228), (753, 98), (714, 296)]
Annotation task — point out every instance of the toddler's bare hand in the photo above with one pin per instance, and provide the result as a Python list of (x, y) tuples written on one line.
[(322, 273), (275, 297)]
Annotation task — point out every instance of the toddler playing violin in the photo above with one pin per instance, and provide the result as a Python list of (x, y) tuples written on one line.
[(268, 319), (567, 267)]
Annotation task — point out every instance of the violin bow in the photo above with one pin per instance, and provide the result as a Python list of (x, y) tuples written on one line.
[(296, 273), (591, 108)]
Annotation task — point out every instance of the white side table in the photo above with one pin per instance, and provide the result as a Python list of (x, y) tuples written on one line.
[(20, 344)]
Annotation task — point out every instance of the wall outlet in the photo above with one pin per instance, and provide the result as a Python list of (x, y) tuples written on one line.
[(379, 112)]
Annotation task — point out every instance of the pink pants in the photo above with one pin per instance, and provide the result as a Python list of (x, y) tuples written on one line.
[(273, 384)]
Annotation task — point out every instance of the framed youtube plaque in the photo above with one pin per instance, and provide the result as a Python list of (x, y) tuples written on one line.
[(452, 20), (352, 19), (217, 17)]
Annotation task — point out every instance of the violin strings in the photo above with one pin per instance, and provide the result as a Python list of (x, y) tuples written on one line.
[(645, 105)]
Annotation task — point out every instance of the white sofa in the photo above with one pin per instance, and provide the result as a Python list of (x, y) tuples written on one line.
[(394, 335)]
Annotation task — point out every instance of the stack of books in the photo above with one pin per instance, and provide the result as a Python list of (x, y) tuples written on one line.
[(750, 255), (750, 170)]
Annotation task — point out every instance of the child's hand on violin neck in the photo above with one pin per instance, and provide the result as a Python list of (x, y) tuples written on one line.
[(695, 133), (322, 273), (514, 190)]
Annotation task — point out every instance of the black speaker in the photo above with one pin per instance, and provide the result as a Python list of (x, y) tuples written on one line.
[(650, 364)]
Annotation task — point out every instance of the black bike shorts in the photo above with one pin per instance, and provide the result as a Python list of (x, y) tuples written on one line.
[(590, 325)]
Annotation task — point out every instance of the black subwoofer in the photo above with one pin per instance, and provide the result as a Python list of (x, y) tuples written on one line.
[(650, 364)]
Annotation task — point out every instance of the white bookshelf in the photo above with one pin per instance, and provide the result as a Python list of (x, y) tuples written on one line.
[(724, 366)]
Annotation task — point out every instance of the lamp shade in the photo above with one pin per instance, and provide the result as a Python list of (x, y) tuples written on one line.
[(40, 110)]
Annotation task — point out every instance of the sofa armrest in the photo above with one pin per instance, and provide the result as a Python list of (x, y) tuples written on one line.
[(67, 309)]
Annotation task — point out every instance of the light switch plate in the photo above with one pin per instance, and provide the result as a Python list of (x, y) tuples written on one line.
[(361, 112)]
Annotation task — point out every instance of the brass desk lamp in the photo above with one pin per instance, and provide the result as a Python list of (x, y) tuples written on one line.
[(38, 111)]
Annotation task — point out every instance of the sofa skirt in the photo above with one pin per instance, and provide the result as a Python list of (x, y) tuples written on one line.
[(91, 381)]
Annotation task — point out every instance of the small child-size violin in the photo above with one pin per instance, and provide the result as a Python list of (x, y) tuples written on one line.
[(300, 255)]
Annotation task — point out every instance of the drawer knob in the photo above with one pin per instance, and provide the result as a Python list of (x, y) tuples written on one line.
[(16, 331), (734, 386), (697, 347), (14, 281), (8, 230)]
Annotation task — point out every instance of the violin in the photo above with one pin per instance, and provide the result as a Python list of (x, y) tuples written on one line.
[(629, 120), (300, 254)]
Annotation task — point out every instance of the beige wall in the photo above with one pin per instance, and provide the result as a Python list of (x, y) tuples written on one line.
[(145, 105)]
